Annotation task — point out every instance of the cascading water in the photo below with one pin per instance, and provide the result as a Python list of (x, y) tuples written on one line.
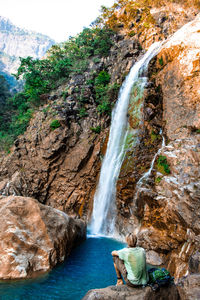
[(148, 173), (104, 210)]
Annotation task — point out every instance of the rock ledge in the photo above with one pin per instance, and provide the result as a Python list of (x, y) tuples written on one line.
[(127, 293)]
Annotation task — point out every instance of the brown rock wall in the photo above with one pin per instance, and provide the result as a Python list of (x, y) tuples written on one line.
[(189, 287), (34, 237), (60, 167), (164, 210), (179, 78)]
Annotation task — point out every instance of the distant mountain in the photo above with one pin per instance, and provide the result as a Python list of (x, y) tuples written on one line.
[(16, 42)]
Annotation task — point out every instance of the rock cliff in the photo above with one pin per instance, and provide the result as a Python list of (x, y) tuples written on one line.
[(16, 42), (177, 192), (60, 167), (34, 237)]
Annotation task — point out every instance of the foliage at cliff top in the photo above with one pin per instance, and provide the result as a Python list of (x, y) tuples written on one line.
[(71, 57), (135, 12), (42, 76)]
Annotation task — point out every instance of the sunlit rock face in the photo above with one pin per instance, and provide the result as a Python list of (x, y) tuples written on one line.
[(170, 210), (179, 77), (163, 20), (34, 237)]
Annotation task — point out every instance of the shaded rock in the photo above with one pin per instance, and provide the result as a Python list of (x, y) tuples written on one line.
[(126, 293), (153, 258), (34, 237), (194, 263), (189, 287)]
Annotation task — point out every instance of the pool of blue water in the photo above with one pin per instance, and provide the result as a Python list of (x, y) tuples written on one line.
[(89, 266)]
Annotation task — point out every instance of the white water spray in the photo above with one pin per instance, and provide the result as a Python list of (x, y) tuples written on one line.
[(104, 210), (148, 173)]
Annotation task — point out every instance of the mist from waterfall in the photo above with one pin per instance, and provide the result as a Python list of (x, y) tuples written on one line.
[(104, 207)]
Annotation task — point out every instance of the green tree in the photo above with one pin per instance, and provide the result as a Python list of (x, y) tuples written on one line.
[(41, 75), (4, 108)]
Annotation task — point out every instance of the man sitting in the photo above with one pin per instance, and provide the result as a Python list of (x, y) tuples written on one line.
[(130, 263)]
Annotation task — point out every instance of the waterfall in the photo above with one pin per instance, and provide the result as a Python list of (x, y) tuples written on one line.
[(148, 173), (104, 208)]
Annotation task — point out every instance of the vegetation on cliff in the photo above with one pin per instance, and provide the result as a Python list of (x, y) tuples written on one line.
[(73, 57), (42, 76), (135, 13)]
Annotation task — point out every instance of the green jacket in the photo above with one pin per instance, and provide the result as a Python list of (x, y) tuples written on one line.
[(135, 263)]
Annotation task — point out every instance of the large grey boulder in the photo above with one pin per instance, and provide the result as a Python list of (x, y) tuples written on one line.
[(124, 292)]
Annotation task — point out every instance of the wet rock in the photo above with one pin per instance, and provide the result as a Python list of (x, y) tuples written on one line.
[(34, 237), (125, 293)]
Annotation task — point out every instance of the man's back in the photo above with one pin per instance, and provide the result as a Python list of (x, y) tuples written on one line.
[(135, 263)]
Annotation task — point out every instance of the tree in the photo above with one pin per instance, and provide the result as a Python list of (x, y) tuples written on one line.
[(4, 95)]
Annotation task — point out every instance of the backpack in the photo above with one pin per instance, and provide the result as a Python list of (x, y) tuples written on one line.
[(159, 277)]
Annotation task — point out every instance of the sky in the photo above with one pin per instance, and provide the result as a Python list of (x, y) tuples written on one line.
[(58, 19)]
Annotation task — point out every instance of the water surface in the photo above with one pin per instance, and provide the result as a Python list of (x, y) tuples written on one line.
[(89, 266)]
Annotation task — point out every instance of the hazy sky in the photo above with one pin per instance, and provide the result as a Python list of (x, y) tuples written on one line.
[(56, 18)]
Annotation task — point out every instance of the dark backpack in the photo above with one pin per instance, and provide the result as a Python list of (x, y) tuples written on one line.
[(159, 277)]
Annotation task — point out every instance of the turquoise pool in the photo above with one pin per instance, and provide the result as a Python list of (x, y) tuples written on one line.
[(89, 266)]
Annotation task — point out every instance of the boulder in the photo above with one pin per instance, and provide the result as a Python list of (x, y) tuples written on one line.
[(194, 263), (124, 292), (153, 258), (189, 287), (34, 237)]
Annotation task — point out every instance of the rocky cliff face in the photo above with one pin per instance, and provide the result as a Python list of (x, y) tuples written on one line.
[(164, 209), (65, 162), (61, 167), (34, 237), (16, 42)]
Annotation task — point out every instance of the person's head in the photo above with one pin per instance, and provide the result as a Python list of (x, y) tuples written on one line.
[(131, 240)]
